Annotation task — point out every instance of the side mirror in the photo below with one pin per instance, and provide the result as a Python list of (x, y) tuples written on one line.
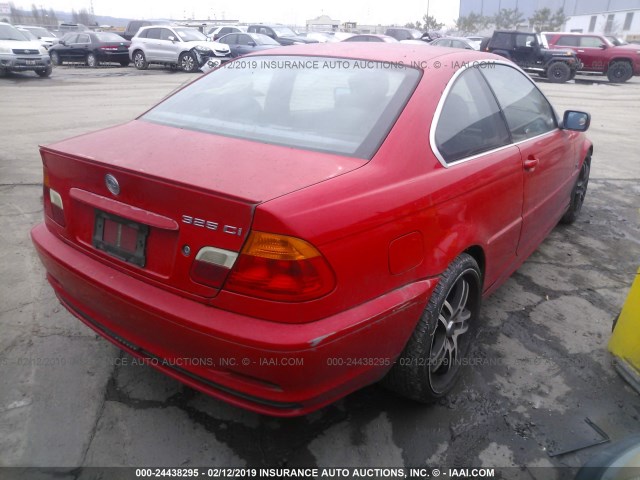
[(172, 38), (252, 44), (603, 46), (576, 121)]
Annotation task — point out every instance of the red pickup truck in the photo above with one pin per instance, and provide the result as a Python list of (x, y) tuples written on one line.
[(600, 54)]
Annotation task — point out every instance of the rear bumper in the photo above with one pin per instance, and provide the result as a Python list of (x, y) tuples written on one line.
[(106, 56), (271, 368)]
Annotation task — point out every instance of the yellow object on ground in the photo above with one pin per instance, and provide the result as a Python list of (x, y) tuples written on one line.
[(625, 341)]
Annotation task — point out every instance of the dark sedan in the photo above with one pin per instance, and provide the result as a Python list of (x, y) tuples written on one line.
[(371, 37), (455, 42), (244, 43), (91, 48)]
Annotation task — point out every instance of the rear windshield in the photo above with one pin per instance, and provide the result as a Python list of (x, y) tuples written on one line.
[(109, 37), (315, 103)]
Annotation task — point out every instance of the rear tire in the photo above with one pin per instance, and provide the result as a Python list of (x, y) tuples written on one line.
[(620, 72), (559, 72), (578, 193), (430, 364), (139, 60)]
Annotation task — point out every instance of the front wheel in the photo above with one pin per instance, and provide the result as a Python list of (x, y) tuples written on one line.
[(46, 72), (559, 72), (430, 364), (92, 60), (188, 62), (55, 58), (620, 72), (578, 193)]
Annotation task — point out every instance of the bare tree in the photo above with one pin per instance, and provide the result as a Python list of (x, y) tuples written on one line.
[(430, 23), (507, 18), (544, 20), (472, 23)]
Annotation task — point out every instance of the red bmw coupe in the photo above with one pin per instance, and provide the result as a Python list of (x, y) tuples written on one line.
[(306, 221)]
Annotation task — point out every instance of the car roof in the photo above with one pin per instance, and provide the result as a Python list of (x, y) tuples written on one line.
[(382, 52)]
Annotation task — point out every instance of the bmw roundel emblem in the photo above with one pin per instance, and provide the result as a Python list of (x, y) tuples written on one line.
[(112, 184)]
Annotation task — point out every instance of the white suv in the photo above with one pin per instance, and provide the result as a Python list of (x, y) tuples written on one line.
[(181, 47), (17, 54)]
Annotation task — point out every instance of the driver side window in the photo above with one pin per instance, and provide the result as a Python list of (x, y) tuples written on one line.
[(527, 111)]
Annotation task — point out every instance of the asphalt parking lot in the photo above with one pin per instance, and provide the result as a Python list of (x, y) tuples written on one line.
[(539, 364)]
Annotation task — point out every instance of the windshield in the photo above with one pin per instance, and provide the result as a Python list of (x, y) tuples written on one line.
[(264, 39), (39, 32), (28, 35), (284, 32), (109, 37), (616, 41), (331, 105), (7, 32), (190, 35)]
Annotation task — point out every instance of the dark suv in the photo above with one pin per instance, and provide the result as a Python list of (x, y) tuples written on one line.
[(134, 25), (529, 51), (281, 34), (404, 33), (599, 54)]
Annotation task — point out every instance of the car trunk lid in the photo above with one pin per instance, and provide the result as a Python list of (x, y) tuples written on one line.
[(147, 198)]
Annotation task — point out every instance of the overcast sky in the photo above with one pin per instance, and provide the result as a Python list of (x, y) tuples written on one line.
[(283, 11)]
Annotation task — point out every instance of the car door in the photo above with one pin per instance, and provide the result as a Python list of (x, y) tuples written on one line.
[(152, 45), (245, 44), (590, 53), (169, 46), (80, 47), (65, 50), (524, 50), (546, 150), (232, 41), (470, 138)]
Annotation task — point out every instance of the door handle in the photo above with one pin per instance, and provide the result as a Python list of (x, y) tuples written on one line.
[(531, 163)]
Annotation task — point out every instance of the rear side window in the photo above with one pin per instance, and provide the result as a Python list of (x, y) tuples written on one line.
[(154, 33), (302, 102), (470, 121), (142, 33), (591, 42), (501, 40), (527, 111), (568, 41)]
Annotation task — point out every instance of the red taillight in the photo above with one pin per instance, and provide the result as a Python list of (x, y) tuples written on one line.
[(52, 201), (279, 267)]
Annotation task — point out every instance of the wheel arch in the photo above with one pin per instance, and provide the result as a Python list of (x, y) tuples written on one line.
[(619, 59), (477, 252)]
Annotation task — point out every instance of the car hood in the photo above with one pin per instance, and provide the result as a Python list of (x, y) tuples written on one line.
[(210, 45), (19, 44), (250, 171)]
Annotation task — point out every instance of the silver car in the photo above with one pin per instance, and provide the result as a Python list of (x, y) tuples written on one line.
[(177, 47)]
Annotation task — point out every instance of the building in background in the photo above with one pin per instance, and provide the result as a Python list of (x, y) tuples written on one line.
[(323, 23), (615, 17)]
